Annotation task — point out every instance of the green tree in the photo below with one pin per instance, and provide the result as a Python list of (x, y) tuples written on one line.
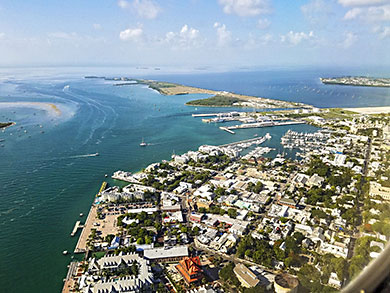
[(232, 213)]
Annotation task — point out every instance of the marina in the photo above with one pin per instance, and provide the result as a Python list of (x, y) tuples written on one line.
[(305, 142)]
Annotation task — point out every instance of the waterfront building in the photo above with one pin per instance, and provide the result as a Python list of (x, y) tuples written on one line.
[(116, 263)]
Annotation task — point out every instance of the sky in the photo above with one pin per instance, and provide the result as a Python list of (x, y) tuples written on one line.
[(195, 33)]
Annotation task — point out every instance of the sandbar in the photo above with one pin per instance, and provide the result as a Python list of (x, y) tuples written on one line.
[(370, 110), (50, 108)]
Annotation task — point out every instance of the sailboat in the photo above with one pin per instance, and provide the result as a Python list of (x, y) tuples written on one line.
[(143, 143)]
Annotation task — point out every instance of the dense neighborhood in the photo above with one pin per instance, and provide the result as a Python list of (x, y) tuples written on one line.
[(220, 220)]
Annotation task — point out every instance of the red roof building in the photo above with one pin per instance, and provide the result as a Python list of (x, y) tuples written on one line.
[(190, 269)]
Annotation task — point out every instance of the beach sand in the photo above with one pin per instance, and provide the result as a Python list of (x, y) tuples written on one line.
[(50, 108), (370, 110)]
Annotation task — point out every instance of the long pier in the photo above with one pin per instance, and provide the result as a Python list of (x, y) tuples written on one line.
[(260, 125), (104, 185), (226, 129), (260, 139), (76, 227), (206, 115)]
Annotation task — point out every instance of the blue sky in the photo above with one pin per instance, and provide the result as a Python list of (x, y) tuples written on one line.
[(195, 33)]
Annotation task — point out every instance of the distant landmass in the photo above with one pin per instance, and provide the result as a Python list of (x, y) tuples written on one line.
[(357, 81), (219, 98)]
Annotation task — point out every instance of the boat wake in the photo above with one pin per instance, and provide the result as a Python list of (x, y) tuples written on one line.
[(83, 156)]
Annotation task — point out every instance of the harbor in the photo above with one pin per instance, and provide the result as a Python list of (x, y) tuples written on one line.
[(248, 120), (264, 124)]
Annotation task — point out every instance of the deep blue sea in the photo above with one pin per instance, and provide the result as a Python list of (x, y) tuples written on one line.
[(47, 173)]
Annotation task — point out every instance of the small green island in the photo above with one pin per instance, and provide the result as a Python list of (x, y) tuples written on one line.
[(357, 81), (215, 101), (6, 124)]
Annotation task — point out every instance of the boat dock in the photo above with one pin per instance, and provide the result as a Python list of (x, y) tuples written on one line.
[(226, 129), (103, 187), (206, 115), (258, 140), (261, 124), (81, 245), (76, 227)]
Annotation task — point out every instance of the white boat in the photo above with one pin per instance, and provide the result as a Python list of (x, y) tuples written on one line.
[(81, 214), (143, 143), (65, 252)]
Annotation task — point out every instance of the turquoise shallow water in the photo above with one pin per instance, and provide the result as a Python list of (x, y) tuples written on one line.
[(47, 179)]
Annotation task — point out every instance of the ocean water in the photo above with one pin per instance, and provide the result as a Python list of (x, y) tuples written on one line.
[(48, 171)]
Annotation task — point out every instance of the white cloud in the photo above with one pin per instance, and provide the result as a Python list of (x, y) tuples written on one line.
[(123, 4), (245, 7), (253, 42), (2, 36), (131, 34), (263, 23), (362, 2), (144, 8), (350, 39), (187, 37), (97, 26), (371, 14), (224, 36), (294, 38), (317, 11), (353, 13), (383, 32), (64, 35)]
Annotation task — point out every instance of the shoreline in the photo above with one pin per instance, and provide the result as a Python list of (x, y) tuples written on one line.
[(370, 110)]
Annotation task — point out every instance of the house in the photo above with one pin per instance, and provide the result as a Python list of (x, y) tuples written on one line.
[(315, 180), (376, 189), (334, 281), (196, 217), (237, 229), (203, 203), (301, 179), (287, 202), (247, 278), (333, 249), (204, 192), (190, 269), (181, 159)]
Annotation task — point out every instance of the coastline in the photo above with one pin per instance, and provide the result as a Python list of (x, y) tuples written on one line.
[(370, 110)]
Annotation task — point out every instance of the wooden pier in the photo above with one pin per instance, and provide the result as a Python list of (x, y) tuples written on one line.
[(226, 129), (76, 227)]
